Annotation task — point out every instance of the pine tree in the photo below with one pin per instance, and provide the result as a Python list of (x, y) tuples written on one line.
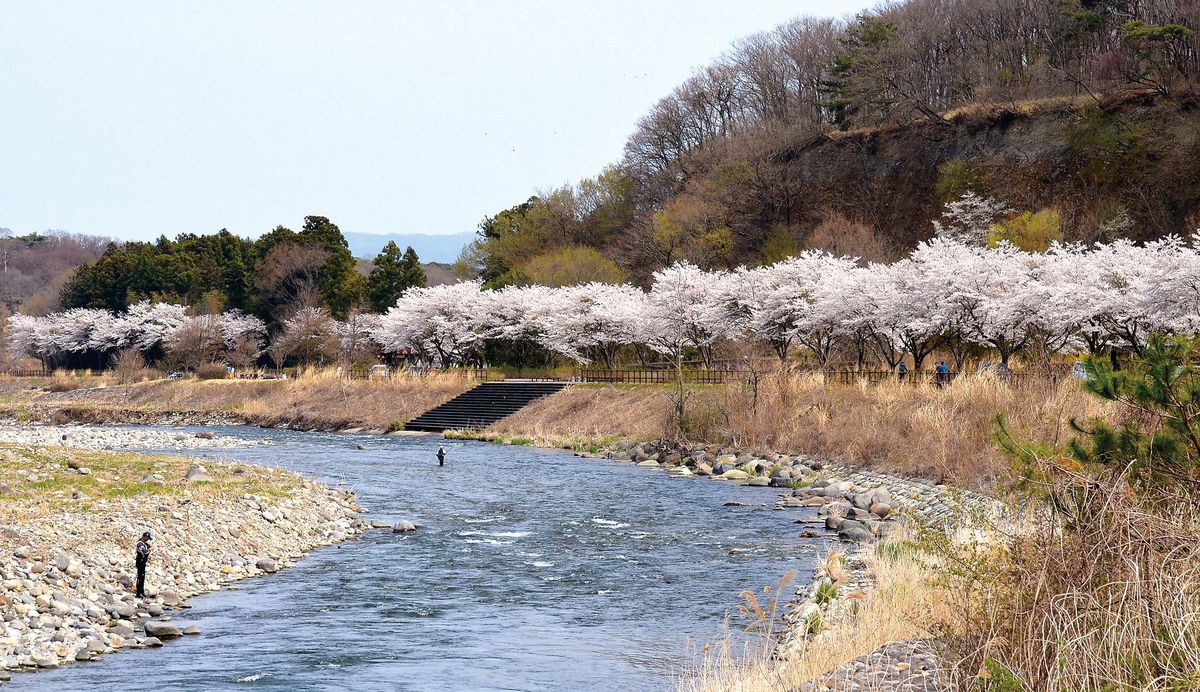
[(414, 275), (393, 274)]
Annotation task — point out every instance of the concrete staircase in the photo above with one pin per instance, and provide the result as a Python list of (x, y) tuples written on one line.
[(483, 405)]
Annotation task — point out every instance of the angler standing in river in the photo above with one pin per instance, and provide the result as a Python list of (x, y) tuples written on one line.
[(441, 456)]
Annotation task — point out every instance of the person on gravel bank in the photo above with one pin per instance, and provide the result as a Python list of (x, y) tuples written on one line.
[(142, 557)]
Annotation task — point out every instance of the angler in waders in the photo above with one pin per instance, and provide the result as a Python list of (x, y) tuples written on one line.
[(141, 558)]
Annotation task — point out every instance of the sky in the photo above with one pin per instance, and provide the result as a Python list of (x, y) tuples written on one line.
[(135, 120)]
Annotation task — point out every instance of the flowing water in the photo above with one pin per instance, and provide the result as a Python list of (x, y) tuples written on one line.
[(536, 570)]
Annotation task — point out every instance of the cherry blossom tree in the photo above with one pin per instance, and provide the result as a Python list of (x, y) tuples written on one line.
[(969, 219), (199, 340), (355, 341), (593, 321), (438, 325), (684, 309), (310, 334)]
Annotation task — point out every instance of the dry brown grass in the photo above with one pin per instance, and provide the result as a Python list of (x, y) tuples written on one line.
[(1103, 594), (907, 604), (919, 430), (593, 411), (316, 399)]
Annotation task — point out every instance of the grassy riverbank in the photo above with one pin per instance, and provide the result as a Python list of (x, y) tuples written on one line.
[(71, 517), (318, 399), (945, 434)]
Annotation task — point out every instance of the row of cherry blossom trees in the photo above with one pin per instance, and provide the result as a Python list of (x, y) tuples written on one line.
[(86, 336), (947, 295)]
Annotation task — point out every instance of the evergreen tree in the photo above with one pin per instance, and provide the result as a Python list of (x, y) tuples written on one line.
[(414, 275), (393, 274), (340, 285)]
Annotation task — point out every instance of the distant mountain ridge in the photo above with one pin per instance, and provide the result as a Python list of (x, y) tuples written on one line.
[(429, 247)]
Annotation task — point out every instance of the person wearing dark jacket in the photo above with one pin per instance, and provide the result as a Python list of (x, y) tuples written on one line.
[(140, 559), (441, 456)]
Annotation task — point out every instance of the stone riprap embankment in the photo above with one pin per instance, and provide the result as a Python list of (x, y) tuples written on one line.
[(825, 603), (114, 437), (67, 543)]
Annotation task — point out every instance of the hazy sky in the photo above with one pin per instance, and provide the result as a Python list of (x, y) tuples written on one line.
[(140, 119)]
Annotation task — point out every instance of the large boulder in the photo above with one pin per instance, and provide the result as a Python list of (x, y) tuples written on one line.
[(197, 474), (882, 509), (861, 500), (855, 535), (735, 475), (267, 565), (162, 630), (404, 526)]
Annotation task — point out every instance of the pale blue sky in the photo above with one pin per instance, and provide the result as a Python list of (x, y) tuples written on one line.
[(138, 119)]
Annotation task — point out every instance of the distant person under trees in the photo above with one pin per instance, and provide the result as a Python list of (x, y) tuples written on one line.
[(943, 374)]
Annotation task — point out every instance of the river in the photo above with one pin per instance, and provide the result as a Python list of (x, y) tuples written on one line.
[(536, 570)]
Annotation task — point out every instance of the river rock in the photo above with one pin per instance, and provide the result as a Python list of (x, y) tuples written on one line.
[(205, 435), (734, 475), (197, 474), (404, 526), (152, 642), (759, 481), (855, 535), (881, 509), (123, 610), (648, 463), (267, 565), (191, 630), (848, 524), (702, 469), (162, 630)]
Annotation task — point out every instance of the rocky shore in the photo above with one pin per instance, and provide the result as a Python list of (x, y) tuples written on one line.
[(113, 437), (71, 516)]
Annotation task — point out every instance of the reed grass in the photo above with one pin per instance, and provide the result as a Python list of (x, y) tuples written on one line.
[(912, 429)]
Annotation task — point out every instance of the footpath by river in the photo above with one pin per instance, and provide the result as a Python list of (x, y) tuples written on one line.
[(535, 570)]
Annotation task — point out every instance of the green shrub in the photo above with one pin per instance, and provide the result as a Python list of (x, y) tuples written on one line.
[(1032, 231)]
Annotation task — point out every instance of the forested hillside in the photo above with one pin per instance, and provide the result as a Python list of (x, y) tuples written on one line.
[(34, 267), (1078, 119)]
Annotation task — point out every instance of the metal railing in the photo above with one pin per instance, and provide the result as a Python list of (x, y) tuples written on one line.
[(847, 377), (50, 373)]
